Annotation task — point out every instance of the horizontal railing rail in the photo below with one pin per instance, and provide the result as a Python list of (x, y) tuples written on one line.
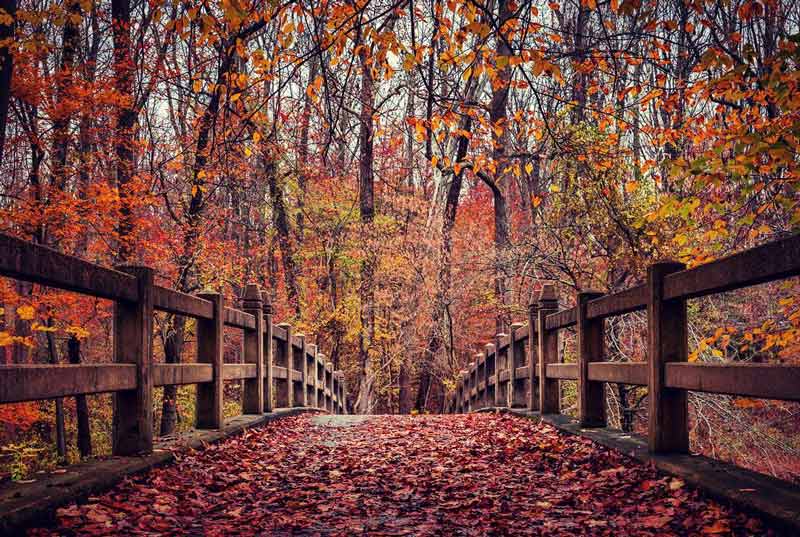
[(280, 368), (530, 367)]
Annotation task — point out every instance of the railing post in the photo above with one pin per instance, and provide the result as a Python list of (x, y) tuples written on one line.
[(210, 351), (329, 385), (500, 396), (283, 387), (533, 356), (549, 389), (253, 392), (489, 350), (335, 391), (133, 344), (269, 356), (312, 374), (320, 380), (299, 397), (473, 379), (667, 341), (591, 395), (516, 358)]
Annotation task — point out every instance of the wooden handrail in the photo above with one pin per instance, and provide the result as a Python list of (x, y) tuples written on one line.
[(663, 297), (134, 374)]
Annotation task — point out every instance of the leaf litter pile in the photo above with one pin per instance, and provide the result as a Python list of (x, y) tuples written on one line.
[(478, 474)]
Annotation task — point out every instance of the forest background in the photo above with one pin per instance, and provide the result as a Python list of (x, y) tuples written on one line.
[(401, 177)]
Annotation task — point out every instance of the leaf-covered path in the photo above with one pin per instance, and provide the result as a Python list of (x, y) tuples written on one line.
[(477, 474)]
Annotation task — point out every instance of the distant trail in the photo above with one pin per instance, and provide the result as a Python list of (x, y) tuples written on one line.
[(478, 474)]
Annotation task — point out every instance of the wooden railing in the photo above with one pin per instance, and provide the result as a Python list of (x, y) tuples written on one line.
[(505, 375), (280, 368)]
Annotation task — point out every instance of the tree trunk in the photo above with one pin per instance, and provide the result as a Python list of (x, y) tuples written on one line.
[(6, 69), (173, 346), (125, 120), (81, 405), (366, 196)]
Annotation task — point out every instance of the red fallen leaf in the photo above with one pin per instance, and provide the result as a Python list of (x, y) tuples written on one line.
[(655, 521), (718, 527)]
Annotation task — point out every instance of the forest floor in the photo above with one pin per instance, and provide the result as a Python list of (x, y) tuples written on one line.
[(478, 474)]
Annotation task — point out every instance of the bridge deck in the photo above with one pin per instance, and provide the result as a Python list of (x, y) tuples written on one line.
[(477, 474)]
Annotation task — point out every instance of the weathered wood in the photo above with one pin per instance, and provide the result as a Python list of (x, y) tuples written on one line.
[(547, 348), (181, 303), (179, 374), (561, 372), (627, 301), (253, 390), (34, 382), (30, 262), (283, 358), (562, 319), (516, 353), (210, 338), (299, 366), (239, 319), (279, 332), (133, 344), (619, 372), (320, 380), (500, 357), (269, 354), (238, 371), (310, 355), (329, 386), (279, 372), (768, 381), (534, 388), (489, 367), (591, 395), (772, 261), (667, 341)]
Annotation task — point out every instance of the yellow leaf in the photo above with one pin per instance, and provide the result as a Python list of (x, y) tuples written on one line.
[(529, 168), (247, 151), (630, 186), (26, 313), (256, 137), (434, 160), (197, 86), (555, 188)]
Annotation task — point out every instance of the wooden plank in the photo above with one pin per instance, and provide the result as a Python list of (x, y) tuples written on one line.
[(562, 371), (20, 383), (627, 301), (238, 371), (239, 319), (278, 372), (179, 374), (772, 261), (619, 372), (768, 381), (279, 332), (30, 262), (562, 319), (181, 304), (133, 344), (521, 334), (269, 355)]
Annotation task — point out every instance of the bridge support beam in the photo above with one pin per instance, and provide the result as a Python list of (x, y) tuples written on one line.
[(591, 395), (210, 351), (133, 344), (253, 392), (667, 341), (549, 389)]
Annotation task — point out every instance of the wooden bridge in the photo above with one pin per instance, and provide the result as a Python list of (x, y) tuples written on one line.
[(520, 372)]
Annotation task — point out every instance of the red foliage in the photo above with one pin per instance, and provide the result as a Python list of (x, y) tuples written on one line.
[(402, 475)]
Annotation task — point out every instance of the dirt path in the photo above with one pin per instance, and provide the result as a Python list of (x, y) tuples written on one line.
[(479, 474)]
